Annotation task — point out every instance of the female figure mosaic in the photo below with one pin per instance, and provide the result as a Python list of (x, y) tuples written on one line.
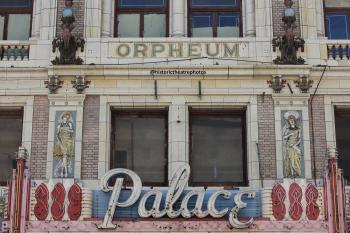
[(292, 142), (64, 149)]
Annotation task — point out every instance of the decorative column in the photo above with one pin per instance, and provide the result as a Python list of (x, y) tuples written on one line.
[(263, 18), (107, 18), (93, 14), (178, 139), (19, 191), (320, 19), (48, 13), (334, 188), (250, 30), (36, 19), (178, 18)]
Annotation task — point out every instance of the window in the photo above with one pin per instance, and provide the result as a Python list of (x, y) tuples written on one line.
[(11, 138), (211, 18), (141, 18), (15, 19), (342, 128), (337, 19), (217, 152), (139, 143)]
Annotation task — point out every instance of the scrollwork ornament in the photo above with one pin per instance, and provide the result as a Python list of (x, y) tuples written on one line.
[(155, 212), (211, 204), (233, 218), (197, 211), (116, 189)]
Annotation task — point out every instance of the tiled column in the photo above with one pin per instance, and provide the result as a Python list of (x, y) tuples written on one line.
[(107, 18), (48, 13), (178, 136), (250, 18), (177, 18), (93, 14)]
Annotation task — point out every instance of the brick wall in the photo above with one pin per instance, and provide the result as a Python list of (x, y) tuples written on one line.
[(89, 169), (278, 8), (319, 135), (40, 126), (78, 9), (267, 139)]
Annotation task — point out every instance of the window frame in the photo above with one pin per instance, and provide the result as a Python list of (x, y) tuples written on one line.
[(161, 112), (12, 113), (342, 111), (214, 12), (335, 10), (6, 11), (142, 11), (241, 112)]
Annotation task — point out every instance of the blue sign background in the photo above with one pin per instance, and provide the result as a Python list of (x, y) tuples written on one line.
[(101, 199)]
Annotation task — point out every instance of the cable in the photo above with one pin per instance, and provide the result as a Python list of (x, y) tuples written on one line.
[(312, 123)]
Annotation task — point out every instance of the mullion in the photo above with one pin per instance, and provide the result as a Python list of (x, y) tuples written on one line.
[(215, 24), (142, 26), (6, 26)]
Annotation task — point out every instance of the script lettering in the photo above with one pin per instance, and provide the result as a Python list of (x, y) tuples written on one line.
[(113, 201)]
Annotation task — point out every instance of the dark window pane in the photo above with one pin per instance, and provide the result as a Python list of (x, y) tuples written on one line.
[(217, 154), (15, 3), (228, 25), (140, 145), (11, 138), (142, 3), (18, 27), (337, 25), (214, 3), (342, 127), (201, 25)]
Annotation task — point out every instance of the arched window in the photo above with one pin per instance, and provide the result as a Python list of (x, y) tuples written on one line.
[(15, 19), (141, 18), (212, 18)]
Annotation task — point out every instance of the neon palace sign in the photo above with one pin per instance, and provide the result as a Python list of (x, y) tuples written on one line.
[(167, 208)]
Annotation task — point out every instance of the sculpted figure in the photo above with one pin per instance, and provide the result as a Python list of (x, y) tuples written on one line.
[(64, 149), (292, 151)]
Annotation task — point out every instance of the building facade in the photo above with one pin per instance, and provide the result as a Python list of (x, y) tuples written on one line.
[(174, 115)]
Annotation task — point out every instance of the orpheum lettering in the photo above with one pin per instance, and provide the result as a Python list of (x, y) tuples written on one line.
[(175, 190), (174, 50)]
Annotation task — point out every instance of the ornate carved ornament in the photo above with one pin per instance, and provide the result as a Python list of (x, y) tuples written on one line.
[(304, 83), (61, 202), (277, 83), (288, 44), (67, 44), (300, 200), (80, 83), (53, 83)]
